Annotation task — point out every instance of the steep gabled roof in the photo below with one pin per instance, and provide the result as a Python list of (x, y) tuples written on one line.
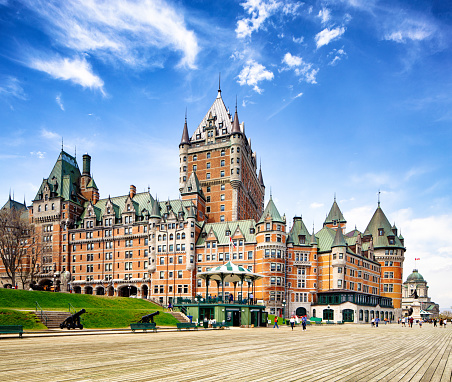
[(218, 110), (92, 184), (63, 179), (192, 186), (272, 212), (299, 229), (380, 221), (220, 229), (335, 214)]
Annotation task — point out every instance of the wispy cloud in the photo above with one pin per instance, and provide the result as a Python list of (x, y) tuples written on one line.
[(413, 30), (59, 101), (119, 29), (77, 70), (327, 35), (286, 103), (316, 205), (324, 15), (259, 11), (338, 55), (38, 154), (253, 73), (11, 87), (302, 69), (298, 40), (49, 134)]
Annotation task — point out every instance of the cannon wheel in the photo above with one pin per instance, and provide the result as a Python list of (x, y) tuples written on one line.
[(81, 326)]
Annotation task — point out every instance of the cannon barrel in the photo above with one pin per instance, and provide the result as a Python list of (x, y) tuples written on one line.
[(149, 317), (73, 321)]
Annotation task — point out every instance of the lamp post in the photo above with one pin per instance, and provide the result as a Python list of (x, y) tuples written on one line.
[(283, 311)]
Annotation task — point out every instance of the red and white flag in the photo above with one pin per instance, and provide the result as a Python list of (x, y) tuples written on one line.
[(230, 240), (417, 258)]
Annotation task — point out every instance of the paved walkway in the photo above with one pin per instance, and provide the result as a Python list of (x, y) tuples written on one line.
[(332, 353)]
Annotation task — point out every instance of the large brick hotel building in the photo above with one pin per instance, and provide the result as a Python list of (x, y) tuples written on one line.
[(135, 244)]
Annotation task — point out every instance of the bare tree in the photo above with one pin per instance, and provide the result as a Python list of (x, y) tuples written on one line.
[(15, 235), (29, 264)]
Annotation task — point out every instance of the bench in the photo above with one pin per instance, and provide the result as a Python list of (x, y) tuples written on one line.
[(12, 329), (219, 325), (340, 322), (186, 325), (143, 326)]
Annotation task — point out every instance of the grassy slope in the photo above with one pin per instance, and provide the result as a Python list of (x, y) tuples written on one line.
[(13, 317), (101, 312)]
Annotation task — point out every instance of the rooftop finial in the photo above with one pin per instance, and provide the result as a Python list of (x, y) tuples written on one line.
[(219, 82), (75, 154), (62, 144), (334, 196), (379, 198), (185, 113)]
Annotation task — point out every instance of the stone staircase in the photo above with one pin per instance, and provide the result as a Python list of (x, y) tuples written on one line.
[(179, 316), (54, 318)]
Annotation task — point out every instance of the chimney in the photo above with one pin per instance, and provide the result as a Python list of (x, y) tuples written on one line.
[(133, 191), (86, 164)]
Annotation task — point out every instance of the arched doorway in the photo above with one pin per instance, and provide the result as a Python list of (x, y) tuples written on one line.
[(46, 284), (88, 289), (100, 291), (328, 314), (78, 289), (128, 290), (366, 316), (301, 311), (144, 291), (348, 315), (110, 291)]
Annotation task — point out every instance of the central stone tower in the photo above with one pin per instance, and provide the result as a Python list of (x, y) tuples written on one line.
[(221, 156)]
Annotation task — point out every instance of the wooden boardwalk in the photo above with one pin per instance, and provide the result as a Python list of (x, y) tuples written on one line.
[(333, 353)]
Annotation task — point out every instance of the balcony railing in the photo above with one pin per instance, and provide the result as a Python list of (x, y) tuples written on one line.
[(305, 263)]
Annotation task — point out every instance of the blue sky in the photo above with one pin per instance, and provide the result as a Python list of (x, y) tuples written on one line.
[(342, 97)]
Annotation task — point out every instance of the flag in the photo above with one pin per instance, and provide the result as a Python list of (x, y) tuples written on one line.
[(230, 240), (418, 258)]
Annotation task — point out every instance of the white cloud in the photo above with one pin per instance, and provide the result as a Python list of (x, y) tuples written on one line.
[(316, 205), (327, 35), (298, 95), (410, 30), (298, 40), (253, 73), (338, 55), (11, 87), (59, 101), (302, 69), (38, 154), (77, 71), (259, 11), (324, 15), (120, 29), (49, 134)]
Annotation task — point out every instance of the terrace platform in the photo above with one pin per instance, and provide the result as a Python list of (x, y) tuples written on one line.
[(347, 352)]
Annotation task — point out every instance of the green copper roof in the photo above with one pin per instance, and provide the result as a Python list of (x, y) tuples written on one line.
[(272, 212), (415, 277), (335, 214), (380, 238), (298, 230), (63, 179), (92, 184), (220, 229), (339, 240), (192, 186)]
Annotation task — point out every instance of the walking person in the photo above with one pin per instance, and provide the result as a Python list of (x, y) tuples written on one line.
[(276, 323), (377, 320), (304, 321), (445, 322), (411, 322), (434, 323), (292, 321)]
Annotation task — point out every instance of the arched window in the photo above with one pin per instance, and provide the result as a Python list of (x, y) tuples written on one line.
[(164, 237), (178, 236), (183, 235), (171, 237)]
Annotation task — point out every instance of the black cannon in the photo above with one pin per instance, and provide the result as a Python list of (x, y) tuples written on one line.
[(73, 321), (149, 317)]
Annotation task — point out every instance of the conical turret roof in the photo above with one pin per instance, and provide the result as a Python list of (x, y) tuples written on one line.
[(335, 214), (272, 212), (260, 178), (185, 138), (155, 212), (339, 240), (235, 124)]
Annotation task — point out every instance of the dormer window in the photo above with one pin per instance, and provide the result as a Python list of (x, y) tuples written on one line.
[(128, 207), (198, 136), (381, 231), (89, 213), (228, 233), (108, 210), (334, 222), (302, 239), (391, 240), (224, 131)]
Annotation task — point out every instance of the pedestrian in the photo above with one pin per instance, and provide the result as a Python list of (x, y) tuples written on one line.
[(251, 298), (445, 322), (372, 323), (276, 323), (170, 307), (434, 323), (304, 321), (420, 323), (377, 320), (440, 322), (292, 321), (411, 322), (403, 322), (231, 298)]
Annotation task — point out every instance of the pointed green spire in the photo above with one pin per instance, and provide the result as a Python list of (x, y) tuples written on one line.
[(339, 240)]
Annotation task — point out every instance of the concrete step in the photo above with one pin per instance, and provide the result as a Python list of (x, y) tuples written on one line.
[(54, 318), (179, 316)]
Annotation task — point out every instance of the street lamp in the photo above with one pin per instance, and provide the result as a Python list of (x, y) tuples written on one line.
[(283, 311)]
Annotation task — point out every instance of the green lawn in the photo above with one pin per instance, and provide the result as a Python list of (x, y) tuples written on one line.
[(14, 317), (101, 312)]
